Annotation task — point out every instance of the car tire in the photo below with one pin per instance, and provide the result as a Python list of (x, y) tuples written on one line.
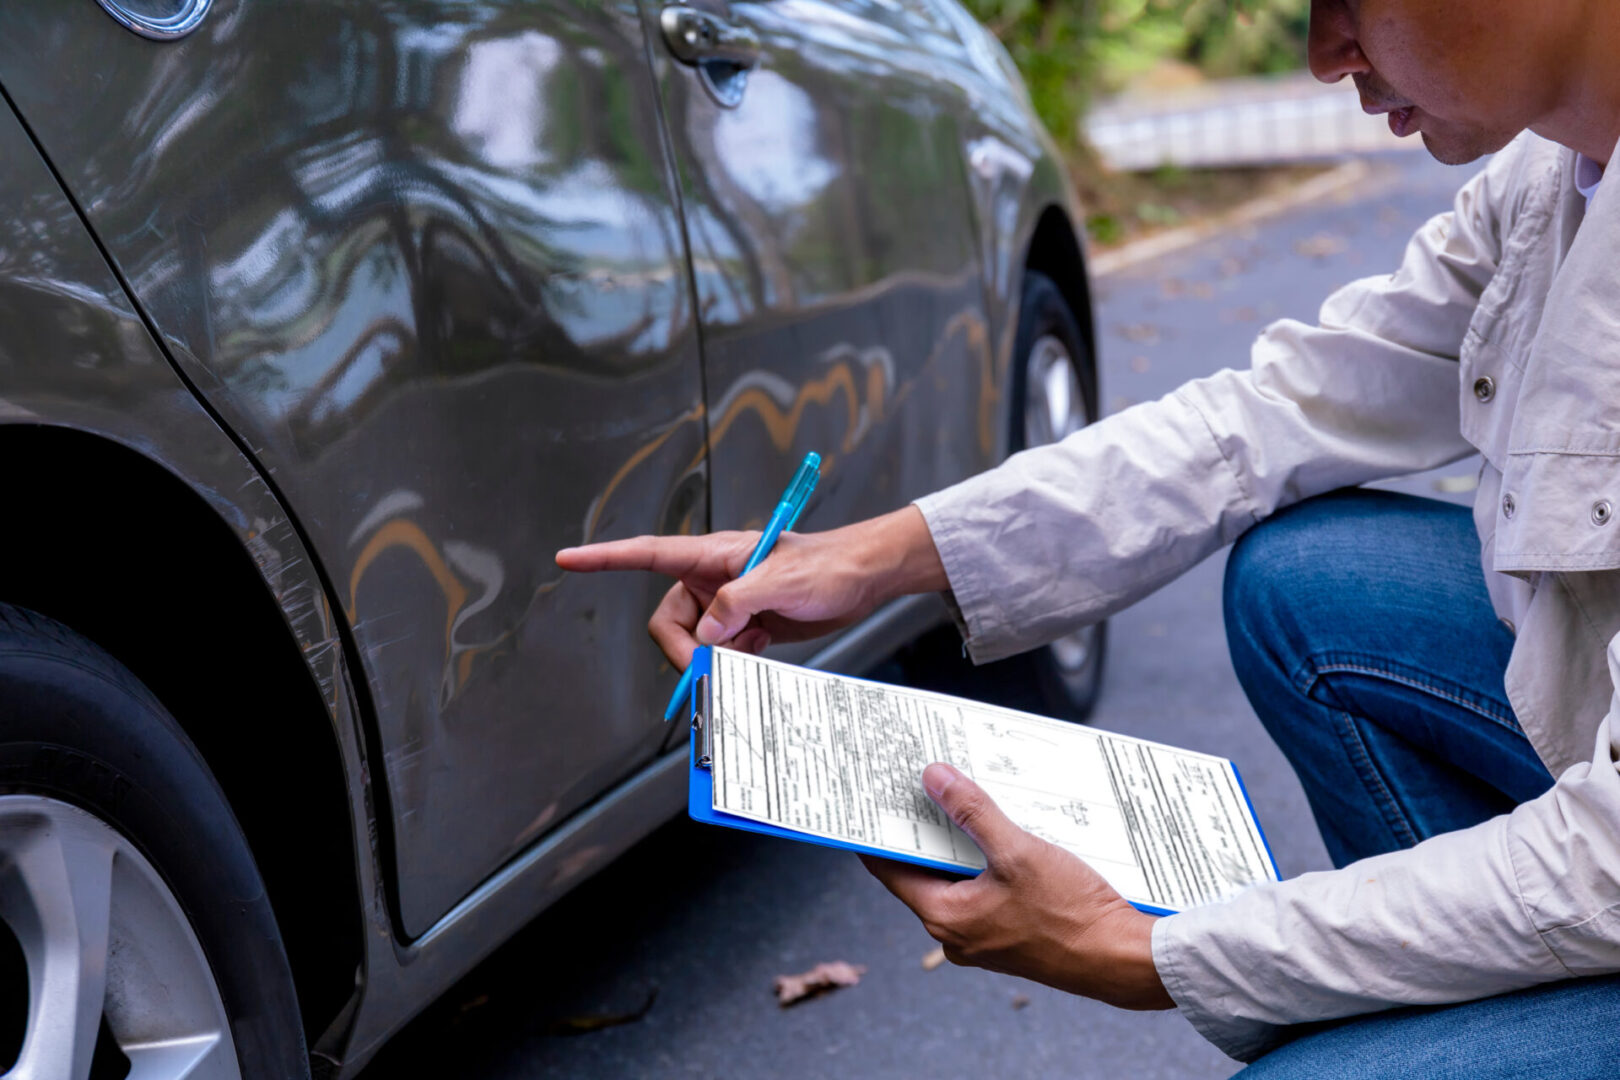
[(122, 864), (1054, 394)]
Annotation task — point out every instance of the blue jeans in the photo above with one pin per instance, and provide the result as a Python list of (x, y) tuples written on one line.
[(1362, 633)]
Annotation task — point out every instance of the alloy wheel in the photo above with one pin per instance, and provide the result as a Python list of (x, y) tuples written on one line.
[(110, 957)]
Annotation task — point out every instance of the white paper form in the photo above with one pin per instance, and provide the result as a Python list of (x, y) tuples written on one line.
[(842, 759)]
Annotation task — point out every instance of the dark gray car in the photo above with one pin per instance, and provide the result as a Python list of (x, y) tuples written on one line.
[(323, 324)]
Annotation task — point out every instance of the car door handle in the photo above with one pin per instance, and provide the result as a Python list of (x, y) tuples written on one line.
[(699, 38)]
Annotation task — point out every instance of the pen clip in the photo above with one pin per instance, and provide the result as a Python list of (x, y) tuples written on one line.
[(702, 726), (798, 492)]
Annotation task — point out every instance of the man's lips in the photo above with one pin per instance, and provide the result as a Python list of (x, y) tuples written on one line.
[(1402, 118)]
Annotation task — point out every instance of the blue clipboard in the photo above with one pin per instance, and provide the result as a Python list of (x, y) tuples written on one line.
[(700, 796)]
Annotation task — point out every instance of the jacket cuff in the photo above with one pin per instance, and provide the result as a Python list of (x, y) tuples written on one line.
[(1201, 1003), (973, 605)]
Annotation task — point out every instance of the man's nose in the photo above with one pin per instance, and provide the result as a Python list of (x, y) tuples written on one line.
[(1333, 50)]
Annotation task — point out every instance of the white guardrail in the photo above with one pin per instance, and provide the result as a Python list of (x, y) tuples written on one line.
[(1239, 122)]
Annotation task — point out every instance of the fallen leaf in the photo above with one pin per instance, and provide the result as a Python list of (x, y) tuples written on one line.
[(934, 959), (1019, 1001), (1143, 333), (791, 989), (588, 1022)]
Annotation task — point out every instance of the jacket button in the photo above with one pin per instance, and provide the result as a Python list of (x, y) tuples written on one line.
[(1508, 505), (1602, 512), (1509, 624), (1484, 388)]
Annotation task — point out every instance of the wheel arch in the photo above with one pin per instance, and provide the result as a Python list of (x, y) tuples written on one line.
[(114, 545), (1054, 250)]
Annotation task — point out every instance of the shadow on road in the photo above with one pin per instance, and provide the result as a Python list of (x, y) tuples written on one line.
[(565, 971)]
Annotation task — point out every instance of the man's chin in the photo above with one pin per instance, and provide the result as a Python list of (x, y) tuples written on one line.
[(1451, 149)]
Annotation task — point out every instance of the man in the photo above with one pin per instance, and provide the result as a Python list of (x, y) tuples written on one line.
[(1426, 708)]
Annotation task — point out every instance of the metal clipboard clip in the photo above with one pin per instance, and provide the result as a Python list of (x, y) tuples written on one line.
[(702, 722)]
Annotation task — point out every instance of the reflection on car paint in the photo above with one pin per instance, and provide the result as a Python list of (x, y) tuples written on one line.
[(646, 450)]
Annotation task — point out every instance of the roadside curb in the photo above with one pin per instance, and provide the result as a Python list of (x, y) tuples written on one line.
[(1330, 183)]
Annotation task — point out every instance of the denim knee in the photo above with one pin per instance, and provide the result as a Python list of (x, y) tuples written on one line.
[(1256, 593), (1267, 618)]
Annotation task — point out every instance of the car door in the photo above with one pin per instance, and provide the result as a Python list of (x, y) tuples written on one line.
[(824, 188), (425, 260)]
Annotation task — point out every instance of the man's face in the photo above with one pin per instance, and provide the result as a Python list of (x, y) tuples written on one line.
[(1468, 74)]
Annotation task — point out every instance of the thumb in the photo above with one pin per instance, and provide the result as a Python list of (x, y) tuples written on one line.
[(973, 811), (733, 605)]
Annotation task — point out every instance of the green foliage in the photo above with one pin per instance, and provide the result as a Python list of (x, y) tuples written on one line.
[(1105, 229), (1069, 50)]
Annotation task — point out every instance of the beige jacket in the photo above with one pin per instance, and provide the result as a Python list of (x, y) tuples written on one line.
[(1500, 332)]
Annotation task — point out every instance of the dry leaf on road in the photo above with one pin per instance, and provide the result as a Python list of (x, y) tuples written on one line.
[(818, 980), (934, 959), (582, 1025)]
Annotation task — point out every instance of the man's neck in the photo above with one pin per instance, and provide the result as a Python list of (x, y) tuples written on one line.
[(1587, 116)]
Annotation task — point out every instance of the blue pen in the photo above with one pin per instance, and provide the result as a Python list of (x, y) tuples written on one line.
[(784, 518)]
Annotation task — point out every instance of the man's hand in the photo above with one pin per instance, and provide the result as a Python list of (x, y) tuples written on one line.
[(1036, 911), (810, 584)]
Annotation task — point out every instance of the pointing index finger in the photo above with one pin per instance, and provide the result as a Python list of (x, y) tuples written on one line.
[(674, 556)]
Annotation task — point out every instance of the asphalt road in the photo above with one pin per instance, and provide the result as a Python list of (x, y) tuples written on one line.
[(705, 918)]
